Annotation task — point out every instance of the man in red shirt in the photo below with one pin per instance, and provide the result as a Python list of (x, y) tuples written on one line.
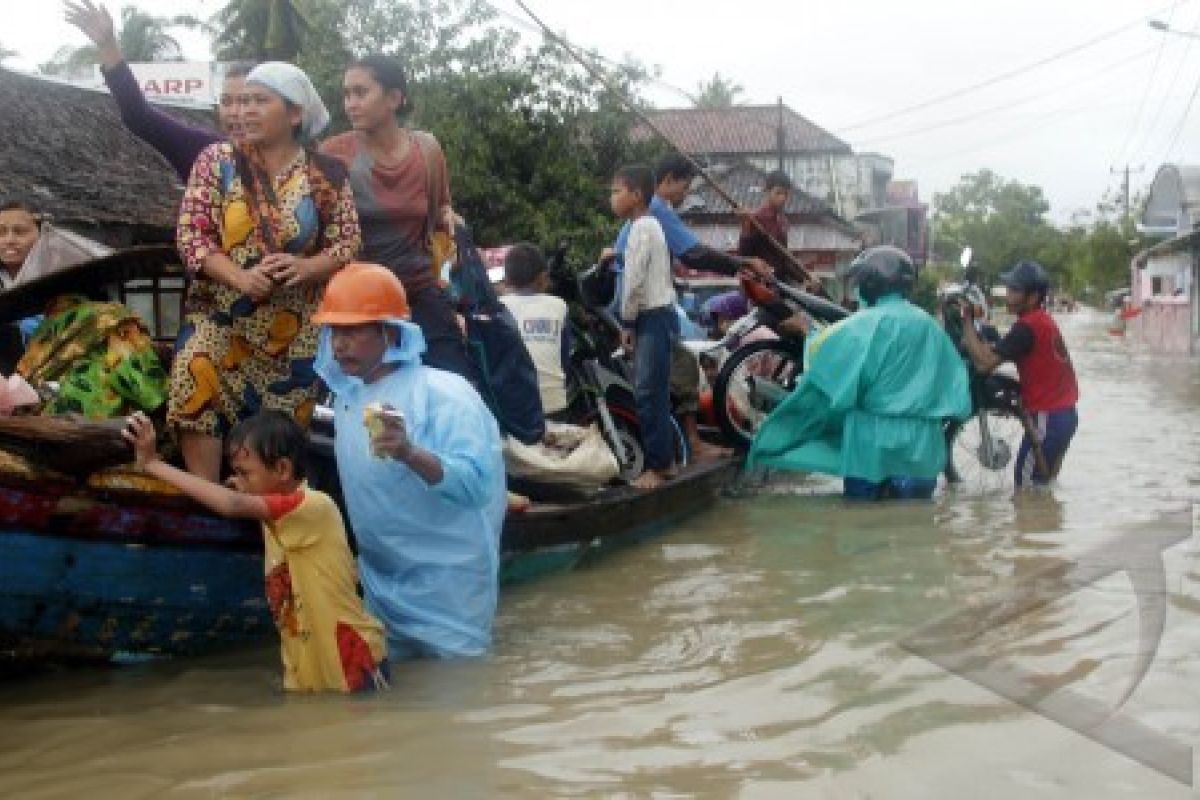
[(756, 240), (1049, 390)]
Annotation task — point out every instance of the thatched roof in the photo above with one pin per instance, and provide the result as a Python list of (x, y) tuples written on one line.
[(66, 149)]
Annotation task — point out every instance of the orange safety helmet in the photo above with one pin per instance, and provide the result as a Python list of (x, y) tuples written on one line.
[(359, 293)]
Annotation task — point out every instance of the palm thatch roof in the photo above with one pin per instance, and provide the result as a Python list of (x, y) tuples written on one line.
[(65, 148)]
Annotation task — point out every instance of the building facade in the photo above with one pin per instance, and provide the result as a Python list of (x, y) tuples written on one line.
[(1164, 278)]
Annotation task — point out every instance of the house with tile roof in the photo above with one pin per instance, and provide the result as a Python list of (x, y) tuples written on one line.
[(772, 137), (818, 237)]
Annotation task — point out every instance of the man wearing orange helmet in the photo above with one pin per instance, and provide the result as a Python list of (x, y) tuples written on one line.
[(425, 491)]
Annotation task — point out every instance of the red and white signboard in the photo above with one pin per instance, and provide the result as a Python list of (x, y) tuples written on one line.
[(186, 81)]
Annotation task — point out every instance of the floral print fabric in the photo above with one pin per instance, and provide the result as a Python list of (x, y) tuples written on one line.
[(234, 356)]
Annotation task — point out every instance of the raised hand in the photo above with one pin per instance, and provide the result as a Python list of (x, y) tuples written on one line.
[(97, 24)]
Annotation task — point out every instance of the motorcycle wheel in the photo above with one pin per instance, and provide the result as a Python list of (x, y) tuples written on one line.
[(982, 451), (631, 456), (778, 364)]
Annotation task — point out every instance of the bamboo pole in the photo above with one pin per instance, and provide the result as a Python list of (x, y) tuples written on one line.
[(800, 272)]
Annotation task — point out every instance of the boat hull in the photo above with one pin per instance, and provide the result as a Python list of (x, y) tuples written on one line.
[(90, 575)]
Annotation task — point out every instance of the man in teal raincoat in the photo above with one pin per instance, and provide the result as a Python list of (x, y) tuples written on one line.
[(425, 491), (876, 392)]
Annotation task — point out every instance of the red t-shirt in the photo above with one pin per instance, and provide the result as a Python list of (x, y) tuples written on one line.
[(1036, 346)]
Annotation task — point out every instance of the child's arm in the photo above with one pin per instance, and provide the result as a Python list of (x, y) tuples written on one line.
[(139, 432)]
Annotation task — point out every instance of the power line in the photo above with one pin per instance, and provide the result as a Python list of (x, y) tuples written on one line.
[(1144, 141), (1021, 131), (1058, 56), (1008, 105), (1182, 120), (523, 23), (1137, 118)]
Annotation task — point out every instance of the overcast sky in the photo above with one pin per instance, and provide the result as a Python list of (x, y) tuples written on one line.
[(1111, 90)]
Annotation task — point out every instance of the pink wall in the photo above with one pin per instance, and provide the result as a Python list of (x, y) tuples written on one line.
[(1164, 326)]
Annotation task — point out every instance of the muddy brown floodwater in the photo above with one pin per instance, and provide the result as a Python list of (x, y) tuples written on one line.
[(762, 650)]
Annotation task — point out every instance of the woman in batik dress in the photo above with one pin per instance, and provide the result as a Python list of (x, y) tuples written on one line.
[(263, 226)]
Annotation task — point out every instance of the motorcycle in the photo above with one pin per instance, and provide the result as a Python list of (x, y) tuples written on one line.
[(760, 371), (981, 449), (599, 374)]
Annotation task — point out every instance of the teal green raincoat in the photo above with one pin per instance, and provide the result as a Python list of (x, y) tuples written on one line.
[(877, 389)]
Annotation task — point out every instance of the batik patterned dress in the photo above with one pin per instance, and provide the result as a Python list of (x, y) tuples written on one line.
[(234, 356)]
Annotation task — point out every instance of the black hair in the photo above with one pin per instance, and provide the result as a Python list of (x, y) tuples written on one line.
[(238, 69), (272, 436), (637, 178), (389, 73), (522, 264), (21, 204), (778, 179), (674, 165)]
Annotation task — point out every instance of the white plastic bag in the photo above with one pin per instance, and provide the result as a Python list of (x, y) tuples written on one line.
[(568, 456)]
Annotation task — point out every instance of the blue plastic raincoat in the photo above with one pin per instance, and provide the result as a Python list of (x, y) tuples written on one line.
[(877, 389), (428, 555)]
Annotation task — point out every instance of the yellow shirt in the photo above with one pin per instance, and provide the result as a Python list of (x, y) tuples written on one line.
[(329, 641)]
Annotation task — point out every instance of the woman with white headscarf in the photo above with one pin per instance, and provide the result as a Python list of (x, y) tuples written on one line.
[(264, 224)]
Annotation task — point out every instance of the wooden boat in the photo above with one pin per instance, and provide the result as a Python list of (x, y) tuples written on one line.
[(117, 565), (114, 562)]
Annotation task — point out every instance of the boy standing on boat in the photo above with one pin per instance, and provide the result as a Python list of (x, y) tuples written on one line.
[(764, 233), (673, 176), (329, 642), (647, 311), (425, 491)]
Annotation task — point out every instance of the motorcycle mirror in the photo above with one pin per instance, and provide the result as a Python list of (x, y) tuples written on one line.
[(964, 258)]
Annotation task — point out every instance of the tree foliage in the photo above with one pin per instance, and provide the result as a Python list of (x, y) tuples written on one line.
[(1004, 221), (141, 37), (6, 53), (264, 30), (718, 92), (530, 139)]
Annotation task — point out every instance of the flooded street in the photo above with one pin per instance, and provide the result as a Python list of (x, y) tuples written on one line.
[(779, 646)]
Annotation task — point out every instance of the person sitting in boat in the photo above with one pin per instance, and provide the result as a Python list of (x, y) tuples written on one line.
[(177, 142), (99, 354), (420, 461), (328, 640), (20, 228), (542, 320), (263, 225), (876, 392)]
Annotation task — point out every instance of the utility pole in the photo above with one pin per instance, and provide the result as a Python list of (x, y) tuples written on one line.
[(780, 136), (1125, 183)]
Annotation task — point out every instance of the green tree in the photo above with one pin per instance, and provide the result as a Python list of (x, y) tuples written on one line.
[(1004, 221), (1001, 220), (718, 92), (141, 37), (264, 30), (5, 53)]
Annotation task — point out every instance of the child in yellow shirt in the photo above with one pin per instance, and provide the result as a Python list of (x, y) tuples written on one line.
[(329, 641)]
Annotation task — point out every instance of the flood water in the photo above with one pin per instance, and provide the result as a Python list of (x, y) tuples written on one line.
[(765, 649)]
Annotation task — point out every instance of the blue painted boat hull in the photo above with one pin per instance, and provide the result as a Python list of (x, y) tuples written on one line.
[(90, 575)]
